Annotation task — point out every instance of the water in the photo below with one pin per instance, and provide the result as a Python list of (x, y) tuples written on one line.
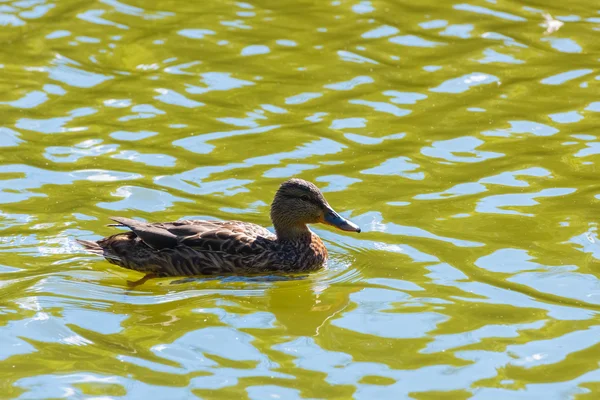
[(458, 135)]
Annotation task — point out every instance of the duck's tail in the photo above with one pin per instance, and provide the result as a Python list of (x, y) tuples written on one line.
[(96, 248), (91, 246)]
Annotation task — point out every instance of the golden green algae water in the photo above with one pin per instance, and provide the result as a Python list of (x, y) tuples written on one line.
[(459, 135)]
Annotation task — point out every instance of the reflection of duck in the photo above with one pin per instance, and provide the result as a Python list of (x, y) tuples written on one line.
[(304, 308), (195, 247)]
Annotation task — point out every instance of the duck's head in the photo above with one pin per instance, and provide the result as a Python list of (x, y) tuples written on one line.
[(298, 203)]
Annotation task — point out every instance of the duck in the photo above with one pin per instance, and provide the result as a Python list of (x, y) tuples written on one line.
[(201, 247)]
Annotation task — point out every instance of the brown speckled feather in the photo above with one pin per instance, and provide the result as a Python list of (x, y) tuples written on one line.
[(195, 247)]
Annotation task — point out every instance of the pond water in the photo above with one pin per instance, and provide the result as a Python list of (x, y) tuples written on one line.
[(461, 136)]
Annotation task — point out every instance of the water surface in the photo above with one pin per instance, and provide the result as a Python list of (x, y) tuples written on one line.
[(458, 135)]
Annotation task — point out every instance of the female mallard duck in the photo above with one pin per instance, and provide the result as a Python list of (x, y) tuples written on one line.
[(194, 247)]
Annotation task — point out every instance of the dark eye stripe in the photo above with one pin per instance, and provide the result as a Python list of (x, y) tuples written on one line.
[(314, 201), (309, 199)]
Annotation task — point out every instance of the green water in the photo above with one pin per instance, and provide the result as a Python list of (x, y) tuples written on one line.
[(460, 137)]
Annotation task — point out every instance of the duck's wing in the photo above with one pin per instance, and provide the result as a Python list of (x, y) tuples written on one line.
[(231, 237), (153, 235)]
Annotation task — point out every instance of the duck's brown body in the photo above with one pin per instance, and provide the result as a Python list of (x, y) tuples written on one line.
[(196, 247), (217, 247)]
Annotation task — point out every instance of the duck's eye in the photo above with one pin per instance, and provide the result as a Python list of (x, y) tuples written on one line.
[(304, 197)]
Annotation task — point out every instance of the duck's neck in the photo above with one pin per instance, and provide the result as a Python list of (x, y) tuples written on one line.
[(293, 233), (287, 222)]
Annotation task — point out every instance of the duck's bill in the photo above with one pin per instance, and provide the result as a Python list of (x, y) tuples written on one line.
[(334, 219)]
